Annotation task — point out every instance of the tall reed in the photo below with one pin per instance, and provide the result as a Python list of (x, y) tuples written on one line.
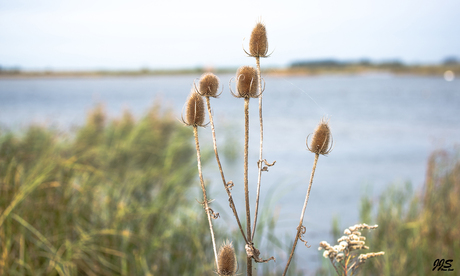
[(418, 227)]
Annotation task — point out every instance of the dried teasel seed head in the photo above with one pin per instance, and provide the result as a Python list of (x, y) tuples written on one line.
[(227, 260), (322, 141), (194, 112), (209, 83), (246, 82), (258, 44)]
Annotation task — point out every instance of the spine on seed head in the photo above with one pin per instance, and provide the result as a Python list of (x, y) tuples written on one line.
[(246, 82), (227, 260), (209, 83), (195, 112), (258, 44)]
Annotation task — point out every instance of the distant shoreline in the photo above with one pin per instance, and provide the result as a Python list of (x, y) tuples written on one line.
[(352, 69)]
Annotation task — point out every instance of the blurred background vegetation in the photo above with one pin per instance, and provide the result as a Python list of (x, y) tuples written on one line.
[(109, 200), (415, 228), (113, 198)]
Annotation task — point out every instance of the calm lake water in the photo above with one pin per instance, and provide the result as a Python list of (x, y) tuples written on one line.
[(384, 128)]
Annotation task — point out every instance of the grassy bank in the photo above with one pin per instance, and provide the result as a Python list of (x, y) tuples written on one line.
[(352, 68), (416, 229), (109, 199)]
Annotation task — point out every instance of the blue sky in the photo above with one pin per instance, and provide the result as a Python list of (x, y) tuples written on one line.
[(91, 34)]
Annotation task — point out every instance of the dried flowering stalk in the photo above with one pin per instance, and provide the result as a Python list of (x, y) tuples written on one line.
[(246, 87), (343, 256), (208, 86), (195, 115), (320, 144), (258, 47)]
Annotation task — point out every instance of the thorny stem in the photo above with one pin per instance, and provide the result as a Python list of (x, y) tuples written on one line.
[(246, 189), (205, 199), (303, 213), (230, 198), (261, 148)]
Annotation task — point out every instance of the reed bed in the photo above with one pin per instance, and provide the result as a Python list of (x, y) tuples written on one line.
[(418, 228), (110, 199)]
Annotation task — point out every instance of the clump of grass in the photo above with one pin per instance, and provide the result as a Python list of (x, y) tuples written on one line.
[(112, 198), (418, 229)]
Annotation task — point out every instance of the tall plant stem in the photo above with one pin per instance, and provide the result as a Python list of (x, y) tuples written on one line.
[(246, 188), (299, 228), (260, 162), (230, 198), (205, 198)]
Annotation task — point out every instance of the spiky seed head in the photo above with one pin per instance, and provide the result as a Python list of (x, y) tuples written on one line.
[(321, 140), (258, 44), (194, 110), (246, 82), (227, 260), (209, 83)]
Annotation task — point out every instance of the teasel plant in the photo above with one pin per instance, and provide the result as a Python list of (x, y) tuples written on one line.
[(321, 144), (258, 48), (208, 87), (194, 117), (246, 87)]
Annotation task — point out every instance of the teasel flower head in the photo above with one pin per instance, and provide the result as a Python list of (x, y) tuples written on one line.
[(227, 260), (208, 86), (258, 43), (246, 83), (194, 110), (322, 142)]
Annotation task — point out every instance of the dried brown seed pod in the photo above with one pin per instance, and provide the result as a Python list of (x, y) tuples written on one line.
[(227, 260), (194, 111), (246, 82), (321, 142), (209, 83), (258, 44)]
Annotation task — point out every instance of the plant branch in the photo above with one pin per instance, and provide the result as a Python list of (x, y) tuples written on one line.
[(246, 188), (259, 163), (226, 186), (205, 199), (299, 228)]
